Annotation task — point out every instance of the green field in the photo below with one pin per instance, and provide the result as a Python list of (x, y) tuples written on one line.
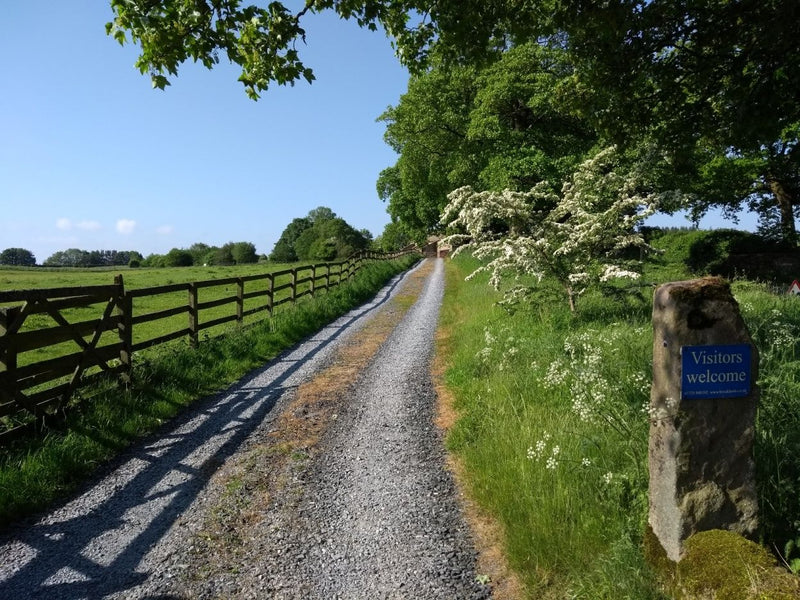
[(19, 278), (134, 279), (140, 279)]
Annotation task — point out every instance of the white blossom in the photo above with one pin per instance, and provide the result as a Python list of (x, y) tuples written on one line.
[(575, 236)]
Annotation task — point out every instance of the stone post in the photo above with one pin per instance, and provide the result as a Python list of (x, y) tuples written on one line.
[(702, 411)]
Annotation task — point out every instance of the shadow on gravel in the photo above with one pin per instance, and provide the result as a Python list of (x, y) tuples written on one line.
[(91, 547)]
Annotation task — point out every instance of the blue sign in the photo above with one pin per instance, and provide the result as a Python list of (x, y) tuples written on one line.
[(715, 371)]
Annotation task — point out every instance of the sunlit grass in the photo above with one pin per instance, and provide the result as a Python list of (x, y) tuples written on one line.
[(553, 426)]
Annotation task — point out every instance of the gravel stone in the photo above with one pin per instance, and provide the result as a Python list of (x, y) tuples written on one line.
[(371, 513)]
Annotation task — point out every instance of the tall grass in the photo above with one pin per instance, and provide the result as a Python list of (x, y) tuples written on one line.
[(774, 323), (554, 422), (553, 434), (34, 472)]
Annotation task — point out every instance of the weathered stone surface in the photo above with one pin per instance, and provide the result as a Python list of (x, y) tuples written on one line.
[(702, 474)]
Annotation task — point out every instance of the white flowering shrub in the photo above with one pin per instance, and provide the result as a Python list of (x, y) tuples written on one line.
[(607, 394), (579, 237)]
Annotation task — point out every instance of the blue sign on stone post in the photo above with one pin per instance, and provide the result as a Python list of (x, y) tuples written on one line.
[(715, 371)]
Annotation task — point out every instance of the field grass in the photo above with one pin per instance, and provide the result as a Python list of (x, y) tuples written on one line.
[(34, 472), (142, 332), (134, 279), (553, 426), (24, 278)]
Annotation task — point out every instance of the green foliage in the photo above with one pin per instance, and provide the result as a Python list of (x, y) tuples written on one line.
[(199, 252), (504, 126), (244, 253), (711, 253), (74, 257), (154, 260), (17, 257), (520, 113), (284, 247), (688, 253), (394, 237), (178, 257), (321, 235), (428, 129), (774, 323)]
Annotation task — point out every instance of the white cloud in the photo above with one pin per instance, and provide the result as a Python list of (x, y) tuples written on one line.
[(126, 226), (64, 224), (89, 225), (165, 229)]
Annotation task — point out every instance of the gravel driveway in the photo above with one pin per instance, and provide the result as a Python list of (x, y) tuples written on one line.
[(253, 495)]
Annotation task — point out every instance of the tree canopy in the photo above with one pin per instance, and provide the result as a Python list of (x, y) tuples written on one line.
[(503, 126), (75, 257), (320, 235), (17, 257), (711, 83)]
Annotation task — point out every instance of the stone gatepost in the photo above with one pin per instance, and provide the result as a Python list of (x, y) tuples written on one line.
[(702, 411)]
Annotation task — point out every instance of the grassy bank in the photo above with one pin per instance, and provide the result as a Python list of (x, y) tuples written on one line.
[(553, 427), (33, 473)]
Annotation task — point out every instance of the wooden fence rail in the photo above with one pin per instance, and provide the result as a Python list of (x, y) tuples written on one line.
[(33, 390)]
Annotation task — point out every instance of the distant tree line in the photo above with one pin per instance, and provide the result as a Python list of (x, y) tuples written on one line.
[(320, 235), (74, 257), (232, 253)]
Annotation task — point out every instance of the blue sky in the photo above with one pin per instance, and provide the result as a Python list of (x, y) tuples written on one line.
[(93, 158)]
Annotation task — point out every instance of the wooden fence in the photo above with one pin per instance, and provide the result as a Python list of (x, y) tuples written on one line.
[(36, 390)]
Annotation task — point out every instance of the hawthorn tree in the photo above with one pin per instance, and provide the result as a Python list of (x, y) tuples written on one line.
[(579, 236)]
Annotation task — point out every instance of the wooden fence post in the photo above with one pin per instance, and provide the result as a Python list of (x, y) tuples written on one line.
[(270, 287), (124, 310), (193, 316), (313, 279), (239, 300), (327, 276), (8, 354), (294, 285)]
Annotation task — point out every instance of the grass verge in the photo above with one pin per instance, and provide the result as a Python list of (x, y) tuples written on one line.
[(552, 429), (35, 472)]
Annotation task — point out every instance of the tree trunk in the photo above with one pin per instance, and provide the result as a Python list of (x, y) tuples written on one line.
[(571, 297), (786, 206)]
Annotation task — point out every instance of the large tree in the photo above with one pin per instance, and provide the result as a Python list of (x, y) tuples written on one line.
[(502, 126), (284, 247), (428, 129), (721, 75)]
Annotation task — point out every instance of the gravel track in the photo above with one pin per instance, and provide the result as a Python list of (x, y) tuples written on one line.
[(372, 514)]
